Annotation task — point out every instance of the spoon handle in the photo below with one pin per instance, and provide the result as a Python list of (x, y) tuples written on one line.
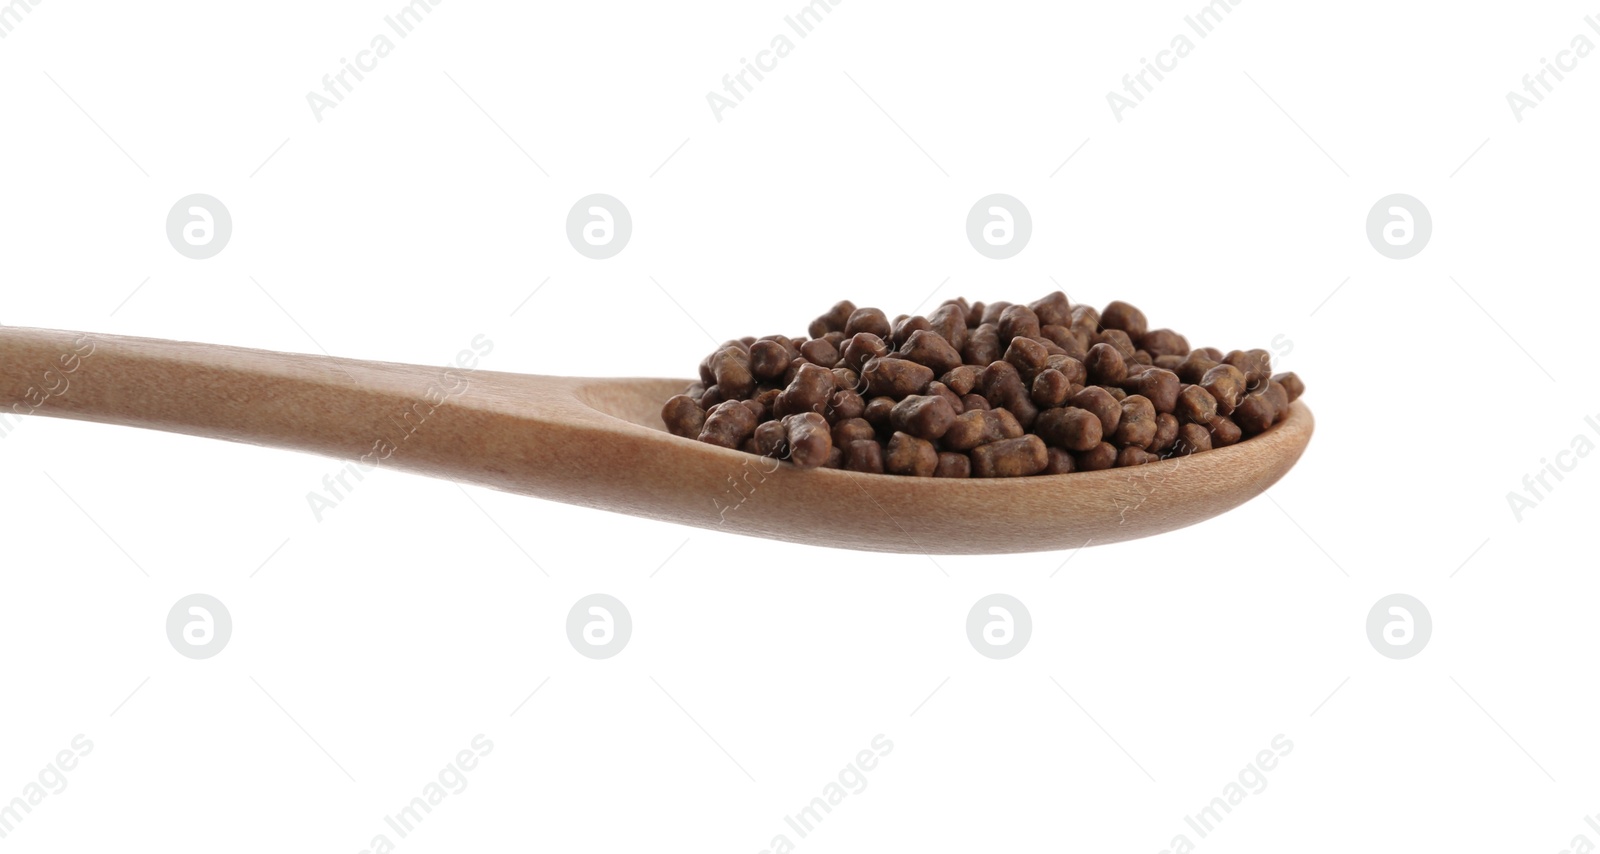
[(320, 404)]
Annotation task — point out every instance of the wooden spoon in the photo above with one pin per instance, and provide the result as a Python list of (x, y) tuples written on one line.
[(601, 443)]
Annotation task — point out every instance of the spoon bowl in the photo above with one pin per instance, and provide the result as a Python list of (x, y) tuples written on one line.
[(600, 443)]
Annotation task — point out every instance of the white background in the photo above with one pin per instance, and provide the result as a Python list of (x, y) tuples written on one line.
[(373, 646)]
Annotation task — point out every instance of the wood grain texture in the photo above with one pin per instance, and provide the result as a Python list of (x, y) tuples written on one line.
[(600, 443)]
